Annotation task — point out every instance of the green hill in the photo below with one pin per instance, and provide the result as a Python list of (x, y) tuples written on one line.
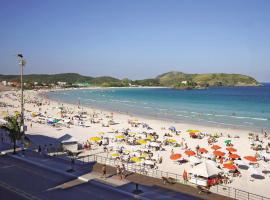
[(170, 79), (176, 79)]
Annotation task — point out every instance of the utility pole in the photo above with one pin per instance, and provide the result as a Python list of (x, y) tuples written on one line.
[(22, 63)]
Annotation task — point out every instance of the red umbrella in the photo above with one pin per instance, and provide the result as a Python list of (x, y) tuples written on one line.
[(190, 153), (231, 149), (202, 150), (175, 156), (215, 147), (219, 153), (234, 156), (230, 166), (251, 158)]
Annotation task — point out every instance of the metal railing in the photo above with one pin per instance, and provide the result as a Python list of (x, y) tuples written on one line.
[(147, 171)]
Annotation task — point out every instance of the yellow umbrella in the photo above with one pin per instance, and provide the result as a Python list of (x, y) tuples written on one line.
[(141, 141), (132, 133), (171, 140), (120, 137), (150, 137), (144, 155), (95, 139), (101, 133), (193, 131), (135, 159), (115, 155)]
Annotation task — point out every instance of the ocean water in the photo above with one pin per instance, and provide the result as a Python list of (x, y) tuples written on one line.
[(238, 107)]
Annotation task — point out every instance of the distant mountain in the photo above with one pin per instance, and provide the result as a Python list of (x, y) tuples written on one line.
[(63, 77), (179, 79), (170, 79)]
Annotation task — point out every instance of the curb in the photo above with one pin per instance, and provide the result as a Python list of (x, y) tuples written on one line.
[(95, 182)]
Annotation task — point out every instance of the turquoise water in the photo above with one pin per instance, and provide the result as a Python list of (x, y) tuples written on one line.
[(245, 107)]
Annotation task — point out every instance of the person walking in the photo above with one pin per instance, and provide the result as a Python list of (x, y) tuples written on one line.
[(104, 171)]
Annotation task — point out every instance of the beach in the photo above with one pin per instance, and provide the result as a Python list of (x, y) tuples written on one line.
[(101, 124)]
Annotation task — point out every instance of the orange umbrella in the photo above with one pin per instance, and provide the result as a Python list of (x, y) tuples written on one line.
[(190, 153), (216, 147), (230, 166), (202, 150), (234, 156), (219, 153), (175, 156), (231, 149), (251, 158)]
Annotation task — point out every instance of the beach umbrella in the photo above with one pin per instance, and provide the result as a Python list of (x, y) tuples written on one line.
[(215, 147), (251, 158), (149, 162), (101, 133), (193, 131), (171, 140), (115, 155), (95, 139), (175, 156), (202, 150), (219, 153), (231, 149), (154, 144), (229, 166), (120, 137), (135, 159), (172, 128), (141, 142), (227, 141), (234, 156), (150, 137), (190, 153)]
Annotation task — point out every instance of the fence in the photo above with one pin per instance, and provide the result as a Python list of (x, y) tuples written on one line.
[(147, 171)]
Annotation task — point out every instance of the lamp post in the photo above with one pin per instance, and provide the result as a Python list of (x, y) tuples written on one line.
[(22, 64)]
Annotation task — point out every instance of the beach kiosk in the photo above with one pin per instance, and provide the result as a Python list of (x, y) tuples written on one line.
[(70, 144), (203, 172)]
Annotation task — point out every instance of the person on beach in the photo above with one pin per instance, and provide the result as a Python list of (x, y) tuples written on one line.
[(118, 172), (104, 171)]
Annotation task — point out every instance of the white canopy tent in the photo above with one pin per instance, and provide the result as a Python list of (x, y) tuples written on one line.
[(205, 169)]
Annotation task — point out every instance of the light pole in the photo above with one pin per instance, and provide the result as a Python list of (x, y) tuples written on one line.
[(22, 64)]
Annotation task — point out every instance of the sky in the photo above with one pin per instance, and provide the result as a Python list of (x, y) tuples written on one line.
[(136, 39)]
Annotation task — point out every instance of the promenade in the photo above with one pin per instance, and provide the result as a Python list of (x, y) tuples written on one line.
[(55, 179)]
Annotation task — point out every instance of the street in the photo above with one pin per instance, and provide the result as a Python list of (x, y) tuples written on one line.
[(20, 180)]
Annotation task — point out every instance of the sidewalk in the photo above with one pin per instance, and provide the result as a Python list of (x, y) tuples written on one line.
[(152, 188), (83, 172)]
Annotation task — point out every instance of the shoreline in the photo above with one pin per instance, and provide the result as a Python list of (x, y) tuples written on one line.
[(206, 124)]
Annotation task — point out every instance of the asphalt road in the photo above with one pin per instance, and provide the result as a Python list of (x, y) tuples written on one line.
[(20, 181)]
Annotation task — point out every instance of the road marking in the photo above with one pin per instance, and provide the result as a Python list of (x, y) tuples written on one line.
[(7, 166), (18, 191)]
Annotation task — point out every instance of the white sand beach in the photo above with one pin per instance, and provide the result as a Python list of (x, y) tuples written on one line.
[(149, 135)]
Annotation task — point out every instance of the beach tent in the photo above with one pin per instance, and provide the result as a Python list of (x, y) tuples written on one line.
[(205, 169)]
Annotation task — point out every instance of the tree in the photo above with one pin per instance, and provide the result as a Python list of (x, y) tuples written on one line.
[(13, 128)]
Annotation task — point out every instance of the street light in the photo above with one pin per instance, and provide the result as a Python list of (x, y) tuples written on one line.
[(22, 63)]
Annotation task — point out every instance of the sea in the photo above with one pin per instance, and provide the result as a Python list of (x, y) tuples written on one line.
[(234, 107)]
